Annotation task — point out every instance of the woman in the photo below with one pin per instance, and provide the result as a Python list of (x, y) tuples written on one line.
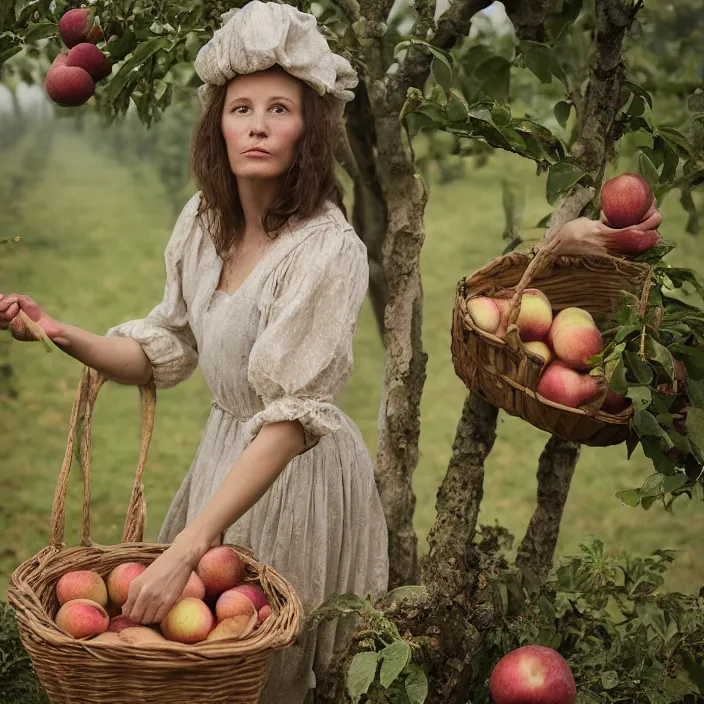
[(265, 281)]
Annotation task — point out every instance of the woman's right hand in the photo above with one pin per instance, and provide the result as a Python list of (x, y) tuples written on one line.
[(11, 305)]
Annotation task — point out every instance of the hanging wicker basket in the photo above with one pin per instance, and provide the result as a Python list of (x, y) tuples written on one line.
[(504, 372), (87, 672)]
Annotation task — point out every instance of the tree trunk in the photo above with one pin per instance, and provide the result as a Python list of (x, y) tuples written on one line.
[(592, 149), (405, 363), (555, 470), (369, 217), (446, 570)]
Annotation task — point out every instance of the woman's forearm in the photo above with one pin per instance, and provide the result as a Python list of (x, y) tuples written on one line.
[(121, 359), (254, 471)]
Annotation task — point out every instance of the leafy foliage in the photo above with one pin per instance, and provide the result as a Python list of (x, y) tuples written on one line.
[(654, 356), (623, 640), (384, 670)]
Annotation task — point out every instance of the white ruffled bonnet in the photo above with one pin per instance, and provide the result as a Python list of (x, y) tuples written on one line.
[(261, 34)]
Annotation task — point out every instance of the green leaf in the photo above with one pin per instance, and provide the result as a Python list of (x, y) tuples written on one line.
[(442, 72), (482, 114), (625, 332), (670, 162), (656, 253), (494, 77), (630, 497), (641, 138), (617, 379), (417, 121), (457, 109), (695, 392), (680, 276), (394, 658), (636, 107), (647, 169), (538, 59), (143, 52), (641, 397), (641, 370), (652, 486), (40, 30), (513, 138), (660, 353), (361, 674), (676, 139), (674, 482), (416, 685), (123, 45), (609, 679), (695, 432), (561, 177), (638, 90), (646, 424), (9, 53), (562, 112)]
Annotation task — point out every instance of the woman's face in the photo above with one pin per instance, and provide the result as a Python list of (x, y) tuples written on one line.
[(263, 110)]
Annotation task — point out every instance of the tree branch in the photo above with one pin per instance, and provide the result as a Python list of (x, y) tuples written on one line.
[(593, 149), (452, 25), (528, 17), (595, 145), (446, 572), (555, 470), (369, 218)]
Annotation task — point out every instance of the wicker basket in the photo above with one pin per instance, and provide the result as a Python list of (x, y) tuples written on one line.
[(72, 671), (504, 372)]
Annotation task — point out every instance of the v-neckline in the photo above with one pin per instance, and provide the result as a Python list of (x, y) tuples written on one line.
[(255, 269)]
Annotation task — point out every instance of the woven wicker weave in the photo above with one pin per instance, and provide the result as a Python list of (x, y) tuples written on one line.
[(502, 370), (86, 672)]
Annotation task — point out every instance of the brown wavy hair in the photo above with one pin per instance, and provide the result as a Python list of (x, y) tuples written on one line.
[(302, 189)]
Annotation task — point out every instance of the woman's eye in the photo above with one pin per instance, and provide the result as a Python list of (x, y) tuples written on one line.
[(239, 108)]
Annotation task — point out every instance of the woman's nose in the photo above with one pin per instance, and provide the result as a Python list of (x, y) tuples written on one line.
[(257, 124)]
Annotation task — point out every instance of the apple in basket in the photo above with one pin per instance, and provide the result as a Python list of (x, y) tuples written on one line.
[(562, 384), (220, 569), (541, 349), (81, 584), (189, 621), (485, 313), (575, 337), (534, 318), (82, 618), (119, 581)]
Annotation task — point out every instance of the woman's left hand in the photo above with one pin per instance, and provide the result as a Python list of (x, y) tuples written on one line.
[(584, 236), (156, 590)]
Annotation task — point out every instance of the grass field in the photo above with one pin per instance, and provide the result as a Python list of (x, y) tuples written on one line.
[(93, 234)]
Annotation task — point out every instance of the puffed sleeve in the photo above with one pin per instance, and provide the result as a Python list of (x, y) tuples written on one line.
[(165, 334), (303, 352)]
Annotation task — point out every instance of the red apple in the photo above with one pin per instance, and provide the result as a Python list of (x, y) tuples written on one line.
[(532, 674), (614, 403), (625, 199), (78, 25)]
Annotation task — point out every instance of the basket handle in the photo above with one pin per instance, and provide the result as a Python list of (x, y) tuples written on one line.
[(569, 209), (82, 412)]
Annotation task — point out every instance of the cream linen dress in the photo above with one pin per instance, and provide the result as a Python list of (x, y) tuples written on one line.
[(278, 348)]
